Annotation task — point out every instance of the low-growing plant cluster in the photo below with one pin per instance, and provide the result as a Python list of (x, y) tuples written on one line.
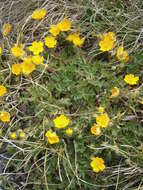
[(69, 119)]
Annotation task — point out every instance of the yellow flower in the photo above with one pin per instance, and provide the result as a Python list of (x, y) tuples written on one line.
[(95, 130), (107, 42), (115, 92), (50, 41), (110, 35), (6, 29), (131, 79), (17, 50), (37, 47), (102, 120), (122, 55), (27, 66), (0, 50), (77, 41), (52, 137), (16, 69), (28, 59), (37, 59), (61, 121), (13, 135), (69, 131), (39, 14), (97, 164), (4, 116), (106, 45), (22, 135), (101, 109), (54, 30), (70, 37), (64, 25), (3, 90)]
